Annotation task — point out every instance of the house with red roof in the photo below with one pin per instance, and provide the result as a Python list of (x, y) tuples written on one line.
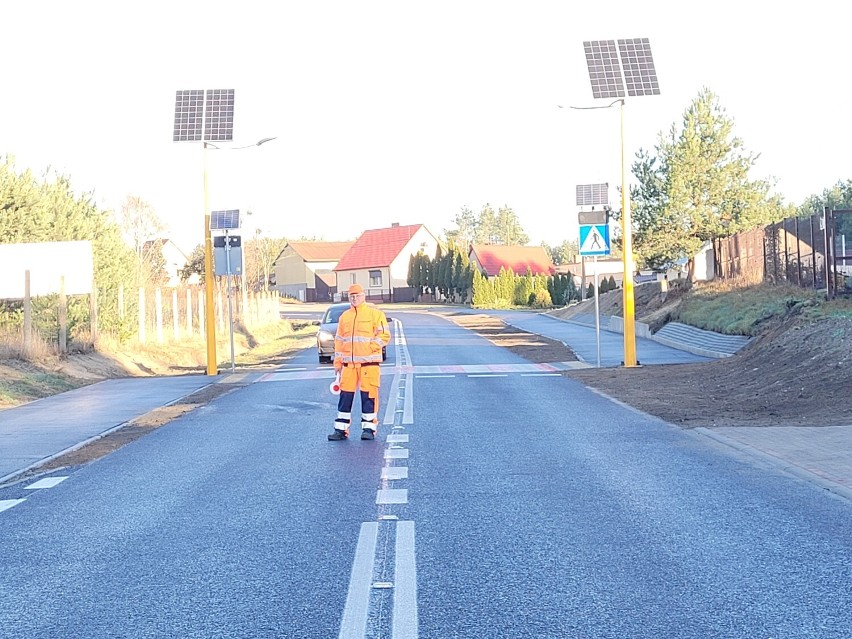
[(305, 270), (490, 258), (379, 258)]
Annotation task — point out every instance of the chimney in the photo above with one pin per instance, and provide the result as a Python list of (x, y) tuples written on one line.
[(394, 225)]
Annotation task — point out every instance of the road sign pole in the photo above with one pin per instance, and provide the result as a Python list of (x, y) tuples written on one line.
[(626, 231), (597, 313)]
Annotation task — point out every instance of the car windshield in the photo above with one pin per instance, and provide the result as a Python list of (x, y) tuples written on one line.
[(332, 316)]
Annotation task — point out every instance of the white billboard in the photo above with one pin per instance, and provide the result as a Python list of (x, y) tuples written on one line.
[(47, 262)]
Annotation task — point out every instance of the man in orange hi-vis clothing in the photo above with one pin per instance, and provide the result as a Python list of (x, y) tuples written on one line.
[(362, 332)]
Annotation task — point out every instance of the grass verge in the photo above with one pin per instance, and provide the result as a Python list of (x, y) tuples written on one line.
[(748, 310)]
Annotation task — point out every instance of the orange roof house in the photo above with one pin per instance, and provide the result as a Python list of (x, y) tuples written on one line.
[(305, 270), (378, 261), (490, 258)]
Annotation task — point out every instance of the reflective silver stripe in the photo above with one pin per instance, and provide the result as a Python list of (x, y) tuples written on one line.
[(346, 357), (364, 340), (368, 417), (344, 416)]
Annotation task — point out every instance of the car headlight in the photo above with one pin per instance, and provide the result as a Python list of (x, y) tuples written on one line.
[(325, 336)]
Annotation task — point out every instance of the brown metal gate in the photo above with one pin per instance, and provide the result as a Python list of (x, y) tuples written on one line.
[(840, 241), (812, 252)]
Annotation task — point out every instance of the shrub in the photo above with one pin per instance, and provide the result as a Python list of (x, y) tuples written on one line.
[(540, 299)]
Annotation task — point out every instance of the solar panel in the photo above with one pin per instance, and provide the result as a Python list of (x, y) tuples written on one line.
[(592, 194), (604, 68), (219, 115), (221, 220), (189, 111), (640, 76)]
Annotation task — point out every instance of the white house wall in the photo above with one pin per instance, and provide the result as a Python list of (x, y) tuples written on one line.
[(422, 240)]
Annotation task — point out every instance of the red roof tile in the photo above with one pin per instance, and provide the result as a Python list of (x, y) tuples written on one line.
[(377, 248), (320, 251), (517, 258)]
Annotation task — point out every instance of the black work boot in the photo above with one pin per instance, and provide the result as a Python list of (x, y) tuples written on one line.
[(368, 433), (338, 435)]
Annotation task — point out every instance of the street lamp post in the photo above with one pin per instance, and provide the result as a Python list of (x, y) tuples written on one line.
[(208, 261), (209, 315), (611, 69), (628, 298), (205, 115)]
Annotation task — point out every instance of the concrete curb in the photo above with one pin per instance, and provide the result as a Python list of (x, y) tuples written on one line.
[(616, 325), (689, 348)]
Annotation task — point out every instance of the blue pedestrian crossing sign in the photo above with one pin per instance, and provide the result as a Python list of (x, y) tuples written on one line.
[(594, 239)]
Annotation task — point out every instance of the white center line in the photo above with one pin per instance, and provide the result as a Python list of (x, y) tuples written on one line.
[(404, 625), (395, 472), (5, 504), (47, 482), (354, 623), (392, 496), (487, 375)]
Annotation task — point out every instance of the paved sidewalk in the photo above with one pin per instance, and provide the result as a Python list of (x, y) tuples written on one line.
[(34, 433)]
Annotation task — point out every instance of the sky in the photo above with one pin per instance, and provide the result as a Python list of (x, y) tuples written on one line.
[(405, 111)]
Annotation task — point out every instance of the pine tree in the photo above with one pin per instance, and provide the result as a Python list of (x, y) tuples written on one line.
[(696, 187)]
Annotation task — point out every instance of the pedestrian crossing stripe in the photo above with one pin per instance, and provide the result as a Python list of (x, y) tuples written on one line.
[(468, 369), (594, 239)]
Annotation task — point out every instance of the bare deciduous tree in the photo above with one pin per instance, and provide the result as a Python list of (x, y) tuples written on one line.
[(141, 227)]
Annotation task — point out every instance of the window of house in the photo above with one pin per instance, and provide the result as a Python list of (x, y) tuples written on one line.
[(352, 278), (375, 278)]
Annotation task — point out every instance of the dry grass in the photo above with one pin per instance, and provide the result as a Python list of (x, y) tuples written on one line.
[(13, 346)]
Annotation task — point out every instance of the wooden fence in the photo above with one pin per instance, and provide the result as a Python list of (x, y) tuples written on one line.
[(158, 315), (178, 313)]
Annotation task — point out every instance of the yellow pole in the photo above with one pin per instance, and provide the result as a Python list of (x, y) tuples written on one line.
[(210, 313), (626, 231)]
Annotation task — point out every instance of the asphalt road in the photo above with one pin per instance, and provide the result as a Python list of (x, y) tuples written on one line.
[(497, 504)]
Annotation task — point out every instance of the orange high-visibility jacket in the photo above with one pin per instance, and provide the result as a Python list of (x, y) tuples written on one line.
[(362, 331)]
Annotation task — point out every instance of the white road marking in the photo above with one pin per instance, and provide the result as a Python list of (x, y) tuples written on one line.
[(488, 375), (433, 376), (390, 409), (354, 623), (405, 623), (5, 504), (392, 496), (396, 453), (395, 472), (233, 378), (408, 401), (47, 482), (541, 375), (429, 371), (397, 439)]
